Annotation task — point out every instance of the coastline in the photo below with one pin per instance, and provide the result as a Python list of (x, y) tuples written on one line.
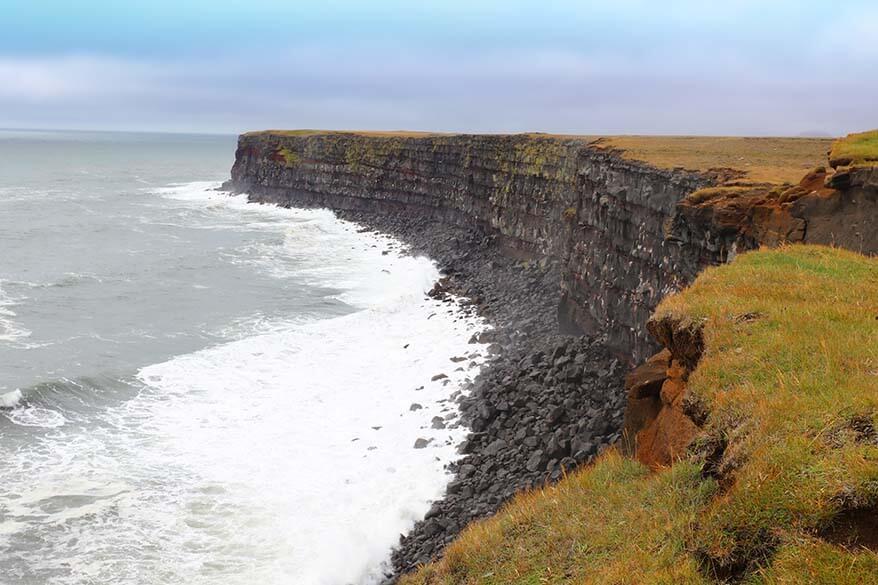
[(543, 403), (548, 236)]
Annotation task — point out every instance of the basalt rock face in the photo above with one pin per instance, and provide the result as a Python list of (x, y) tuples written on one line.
[(837, 207), (606, 220)]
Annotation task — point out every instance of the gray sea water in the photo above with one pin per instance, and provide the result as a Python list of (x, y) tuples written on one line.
[(196, 389)]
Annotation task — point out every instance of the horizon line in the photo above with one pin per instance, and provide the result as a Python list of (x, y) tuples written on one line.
[(802, 135)]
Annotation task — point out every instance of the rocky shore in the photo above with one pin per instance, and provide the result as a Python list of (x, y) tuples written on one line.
[(544, 403), (544, 234)]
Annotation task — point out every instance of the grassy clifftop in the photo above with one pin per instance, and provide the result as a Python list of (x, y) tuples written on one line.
[(780, 484), (761, 160), (855, 149)]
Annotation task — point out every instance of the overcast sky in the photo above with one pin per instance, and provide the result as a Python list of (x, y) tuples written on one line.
[(769, 67)]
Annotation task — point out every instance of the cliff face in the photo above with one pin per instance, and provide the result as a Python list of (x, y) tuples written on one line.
[(602, 217), (626, 234), (836, 207)]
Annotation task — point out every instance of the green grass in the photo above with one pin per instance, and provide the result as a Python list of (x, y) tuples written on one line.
[(791, 390), (784, 389), (615, 524), (812, 561), (289, 157), (856, 149), (726, 192)]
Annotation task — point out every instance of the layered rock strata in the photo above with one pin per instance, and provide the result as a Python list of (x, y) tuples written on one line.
[(547, 235), (625, 233), (602, 218)]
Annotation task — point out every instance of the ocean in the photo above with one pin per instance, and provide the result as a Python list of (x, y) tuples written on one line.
[(194, 389)]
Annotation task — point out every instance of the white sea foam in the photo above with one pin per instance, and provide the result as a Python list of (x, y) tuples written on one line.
[(283, 456), (284, 421), (361, 268), (34, 416), (10, 399), (10, 330)]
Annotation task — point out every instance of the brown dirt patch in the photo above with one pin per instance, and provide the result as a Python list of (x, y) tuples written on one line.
[(857, 528)]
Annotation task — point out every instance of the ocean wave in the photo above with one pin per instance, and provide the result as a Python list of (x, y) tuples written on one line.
[(205, 207), (276, 448), (315, 246), (71, 398), (322, 409), (257, 324), (69, 279), (34, 416), (207, 195), (10, 399), (11, 332), (20, 412), (263, 459)]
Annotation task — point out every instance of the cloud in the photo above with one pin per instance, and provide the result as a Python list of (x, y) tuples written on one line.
[(707, 88), (72, 77)]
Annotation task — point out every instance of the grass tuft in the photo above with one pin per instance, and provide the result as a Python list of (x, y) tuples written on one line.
[(855, 149), (289, 157)]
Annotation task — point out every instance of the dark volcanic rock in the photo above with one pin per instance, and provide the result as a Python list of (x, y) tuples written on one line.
[(521, 447), (603, 219)]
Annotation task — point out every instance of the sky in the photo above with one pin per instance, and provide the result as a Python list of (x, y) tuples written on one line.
[(731, 67)]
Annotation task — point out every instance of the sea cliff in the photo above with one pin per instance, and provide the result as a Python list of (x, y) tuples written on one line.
[(553, 235), (601, 217), (624, 232)]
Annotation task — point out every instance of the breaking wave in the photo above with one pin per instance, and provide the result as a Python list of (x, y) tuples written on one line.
[(281, 455)]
